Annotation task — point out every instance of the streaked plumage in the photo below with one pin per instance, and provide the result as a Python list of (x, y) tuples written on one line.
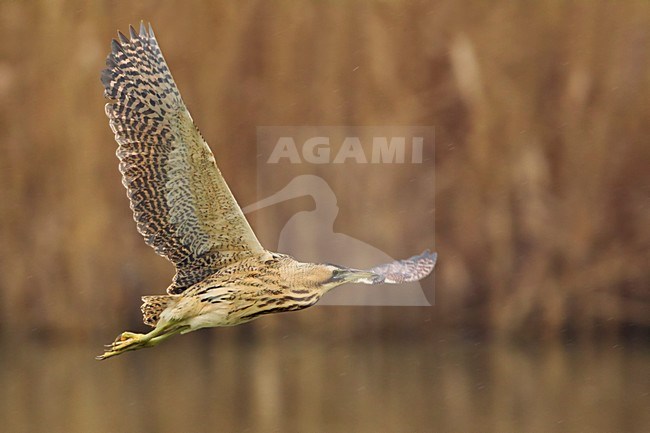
[(186, 212)]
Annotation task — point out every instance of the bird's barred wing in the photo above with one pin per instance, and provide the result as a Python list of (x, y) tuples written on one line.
[(180, 201), (407, 270)]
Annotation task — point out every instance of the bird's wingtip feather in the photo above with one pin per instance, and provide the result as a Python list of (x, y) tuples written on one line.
[(115, 46), (123, 39)]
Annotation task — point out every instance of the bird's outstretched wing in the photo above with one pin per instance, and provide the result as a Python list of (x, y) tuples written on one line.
[(404, 271), (180, 201)]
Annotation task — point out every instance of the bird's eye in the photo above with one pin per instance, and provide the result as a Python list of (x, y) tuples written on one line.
[(337, 274)]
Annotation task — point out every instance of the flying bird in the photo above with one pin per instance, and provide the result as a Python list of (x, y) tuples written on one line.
[(185, 211)]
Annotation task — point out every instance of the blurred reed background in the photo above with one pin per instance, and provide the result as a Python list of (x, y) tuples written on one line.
[(541, 112)]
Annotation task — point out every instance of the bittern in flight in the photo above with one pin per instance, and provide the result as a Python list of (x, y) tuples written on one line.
[(186, 212)]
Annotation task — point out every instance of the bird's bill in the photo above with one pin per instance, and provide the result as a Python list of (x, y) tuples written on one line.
[(345, 275)]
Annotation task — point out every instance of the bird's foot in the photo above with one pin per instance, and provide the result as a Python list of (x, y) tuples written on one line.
[(126, 336), (123, 343)]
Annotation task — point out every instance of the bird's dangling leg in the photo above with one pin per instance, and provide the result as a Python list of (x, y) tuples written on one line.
[(128, 341)]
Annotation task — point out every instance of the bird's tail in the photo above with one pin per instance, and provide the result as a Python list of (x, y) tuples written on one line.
[(152, 306)]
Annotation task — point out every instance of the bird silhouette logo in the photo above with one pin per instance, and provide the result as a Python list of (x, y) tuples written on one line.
[(307, 229)]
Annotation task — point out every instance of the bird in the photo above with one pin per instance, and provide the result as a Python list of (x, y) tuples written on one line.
[(186, 212)]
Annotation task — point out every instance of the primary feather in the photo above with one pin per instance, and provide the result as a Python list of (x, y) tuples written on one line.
[(180, 202)]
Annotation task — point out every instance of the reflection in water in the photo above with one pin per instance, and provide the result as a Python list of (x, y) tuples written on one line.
[(211, 382)]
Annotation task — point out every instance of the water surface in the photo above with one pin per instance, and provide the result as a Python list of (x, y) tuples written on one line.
[(211, 381)]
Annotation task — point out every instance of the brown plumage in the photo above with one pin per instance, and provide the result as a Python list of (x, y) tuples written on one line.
[(186, 212)]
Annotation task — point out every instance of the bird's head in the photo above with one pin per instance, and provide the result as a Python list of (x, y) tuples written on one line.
[(325, 277)]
